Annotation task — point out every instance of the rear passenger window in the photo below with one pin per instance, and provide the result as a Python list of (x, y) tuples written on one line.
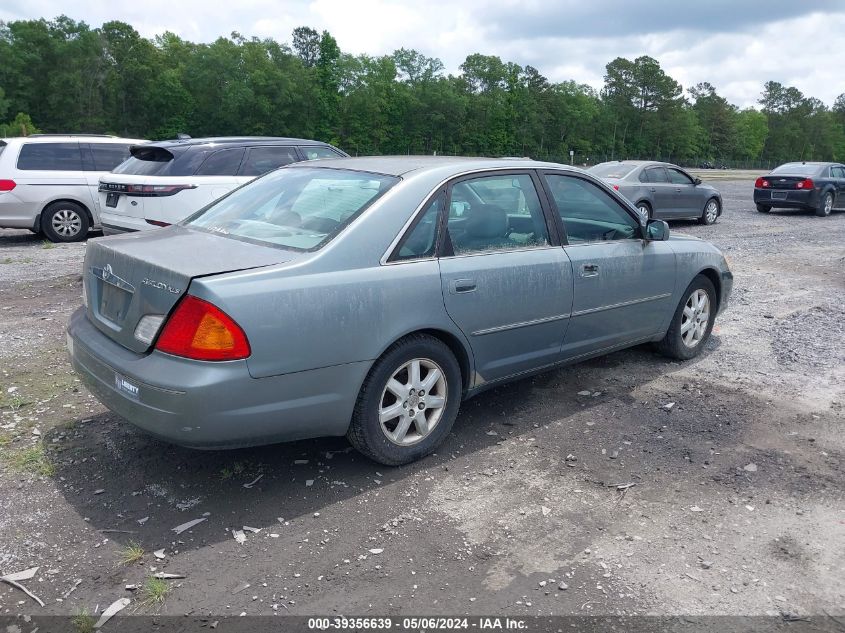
[(656, 174), (421, 241), (315, 152), (837, 172), (50, 157), (224, 162), (495, 213), (260, 160), (107, 156), (588, 213)]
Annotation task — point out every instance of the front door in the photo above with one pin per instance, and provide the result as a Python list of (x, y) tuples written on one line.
[(688, 202), (623, 284), (505, 284)]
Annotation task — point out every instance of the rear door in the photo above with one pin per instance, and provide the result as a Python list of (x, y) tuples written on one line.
[(623, 284), (53, 170), (505, 283), (657, 182)]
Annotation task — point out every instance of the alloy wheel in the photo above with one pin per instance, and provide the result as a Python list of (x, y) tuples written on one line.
[(695, 318), (413, 401), (711, 212), (828, 204)]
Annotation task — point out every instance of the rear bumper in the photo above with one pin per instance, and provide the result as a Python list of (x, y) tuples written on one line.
[(115, 224), (787, 198), (211, 405)]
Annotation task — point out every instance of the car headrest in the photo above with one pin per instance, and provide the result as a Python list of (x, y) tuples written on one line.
[(486, 221)]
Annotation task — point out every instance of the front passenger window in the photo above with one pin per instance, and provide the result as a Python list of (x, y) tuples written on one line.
[(590, 214)]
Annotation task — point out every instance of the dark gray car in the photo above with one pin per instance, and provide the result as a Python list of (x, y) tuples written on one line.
[(368, 297), (662, 190)]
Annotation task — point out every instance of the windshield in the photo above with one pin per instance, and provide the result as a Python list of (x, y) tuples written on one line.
[(299, 208), (796, 169), (612, 170)]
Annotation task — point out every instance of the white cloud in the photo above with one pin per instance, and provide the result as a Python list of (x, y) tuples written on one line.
[(724, 42)]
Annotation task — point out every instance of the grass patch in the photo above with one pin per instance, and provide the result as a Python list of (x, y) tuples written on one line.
[(131, 554), (7, 260), (83, 622), (32, 460), (47, 245), (155, 592)]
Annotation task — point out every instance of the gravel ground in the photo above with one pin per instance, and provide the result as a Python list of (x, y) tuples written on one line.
[(737, 505)]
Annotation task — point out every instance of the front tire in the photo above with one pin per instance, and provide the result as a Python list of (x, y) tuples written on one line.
[(762, 208), (408, 402), (710, 213), (65, 222), (692, 322), (825, 205)]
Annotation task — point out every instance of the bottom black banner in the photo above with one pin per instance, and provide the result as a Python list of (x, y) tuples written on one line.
[(825, 623)]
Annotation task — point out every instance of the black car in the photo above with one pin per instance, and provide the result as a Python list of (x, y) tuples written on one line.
[(818, 187)]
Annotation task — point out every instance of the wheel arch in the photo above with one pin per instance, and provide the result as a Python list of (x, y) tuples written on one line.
[(68, 199), (457, 346), (718, 200), (716, 279)]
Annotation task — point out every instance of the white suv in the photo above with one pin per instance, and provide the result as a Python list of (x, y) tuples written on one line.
[(164, 182), (48, 182)]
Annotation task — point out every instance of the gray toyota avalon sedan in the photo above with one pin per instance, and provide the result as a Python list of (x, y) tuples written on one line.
[(368, 297)]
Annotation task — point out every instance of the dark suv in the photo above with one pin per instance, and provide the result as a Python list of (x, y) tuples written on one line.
[(165, 182)]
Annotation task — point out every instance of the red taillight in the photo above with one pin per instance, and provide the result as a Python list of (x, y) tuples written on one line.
[(7, 185), (157, 190), (200, 330), (158, 223), (616, 187), (807, 183), (761, 183)]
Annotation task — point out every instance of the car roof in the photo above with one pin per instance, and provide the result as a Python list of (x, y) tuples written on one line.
[(238, 140), (88, 138), (402, 165)]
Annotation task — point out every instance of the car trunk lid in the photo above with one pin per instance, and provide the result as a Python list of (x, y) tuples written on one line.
[(778, 181), (145, 274)]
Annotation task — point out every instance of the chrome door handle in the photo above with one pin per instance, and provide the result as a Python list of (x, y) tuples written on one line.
[(457, 286), (653, 190), (589, 270)]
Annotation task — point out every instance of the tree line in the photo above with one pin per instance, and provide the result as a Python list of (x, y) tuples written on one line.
[(63, 76)]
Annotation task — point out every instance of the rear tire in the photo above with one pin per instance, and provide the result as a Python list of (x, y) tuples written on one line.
[(710, 213), (692, 322), (404, 413), (825, 205), (65, 222), (645, 210), (762, 208)]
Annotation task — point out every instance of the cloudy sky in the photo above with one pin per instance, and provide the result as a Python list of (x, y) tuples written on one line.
[(736, 45)]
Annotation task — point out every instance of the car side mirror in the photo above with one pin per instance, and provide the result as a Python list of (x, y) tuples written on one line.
[(697, 181), (657, 231)]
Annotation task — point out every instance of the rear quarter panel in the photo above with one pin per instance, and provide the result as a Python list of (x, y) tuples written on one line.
[(298, 319)]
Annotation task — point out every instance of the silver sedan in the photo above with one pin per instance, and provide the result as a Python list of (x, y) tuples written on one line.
[(662, 190), (369, 297)]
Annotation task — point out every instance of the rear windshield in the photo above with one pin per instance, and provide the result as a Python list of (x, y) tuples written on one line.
[(300, 209), (158, 161), (612, 170), (796, 169)]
